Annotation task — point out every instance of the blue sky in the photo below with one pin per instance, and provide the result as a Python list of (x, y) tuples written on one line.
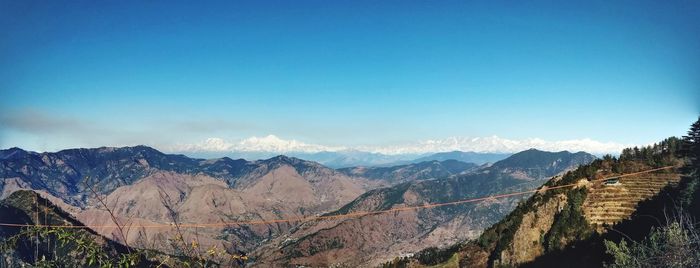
[(345, 73)]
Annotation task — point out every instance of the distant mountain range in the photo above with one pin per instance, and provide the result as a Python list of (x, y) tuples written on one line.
[(135, 181), (410, 172), (355, 158), (534, 209), (468, 157), (144, 187), (370, 240)]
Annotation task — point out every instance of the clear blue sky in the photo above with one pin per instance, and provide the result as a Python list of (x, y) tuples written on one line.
[(88, 73)]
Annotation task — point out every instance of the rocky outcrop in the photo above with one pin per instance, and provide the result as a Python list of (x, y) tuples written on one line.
[(280, 193), (528, 239)]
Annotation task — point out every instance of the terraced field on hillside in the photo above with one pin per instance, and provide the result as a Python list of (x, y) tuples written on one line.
[(607, 204)]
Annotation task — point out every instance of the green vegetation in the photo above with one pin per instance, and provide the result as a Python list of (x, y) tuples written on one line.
[(571, 236), (690, 197), (675, 245), (434, 256), (452, 262), (73, 245), (569, 224), (62, 247), (72, 248), (390, 196), (654, 155), (396, 263)]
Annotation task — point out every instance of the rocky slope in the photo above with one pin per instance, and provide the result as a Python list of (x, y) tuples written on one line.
[(145, 187), (283, 192), (67, 173), (372, 239)]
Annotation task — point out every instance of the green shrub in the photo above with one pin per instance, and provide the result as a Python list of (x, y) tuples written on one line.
[(675, 245)]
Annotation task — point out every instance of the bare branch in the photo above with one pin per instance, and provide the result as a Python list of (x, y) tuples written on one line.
[(113, 217)]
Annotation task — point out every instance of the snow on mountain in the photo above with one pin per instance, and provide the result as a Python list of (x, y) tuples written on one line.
[(495, 144), (269, 143), (492, 144)]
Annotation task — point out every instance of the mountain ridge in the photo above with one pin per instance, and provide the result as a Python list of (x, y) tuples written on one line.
[(465, 156), (140, 181), (414, 171), (562, 223), (134, 179), (379, 238)]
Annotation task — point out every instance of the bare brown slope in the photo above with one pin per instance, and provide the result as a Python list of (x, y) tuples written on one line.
[(278, 192)]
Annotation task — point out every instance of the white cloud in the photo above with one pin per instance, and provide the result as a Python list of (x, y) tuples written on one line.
[(492, 144)]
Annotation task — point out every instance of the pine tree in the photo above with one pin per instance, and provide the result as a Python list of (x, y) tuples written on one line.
[(691, 151), (692, 148)]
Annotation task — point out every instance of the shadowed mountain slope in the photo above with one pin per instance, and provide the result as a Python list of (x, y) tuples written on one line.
[(410, 172), (468, 157)]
